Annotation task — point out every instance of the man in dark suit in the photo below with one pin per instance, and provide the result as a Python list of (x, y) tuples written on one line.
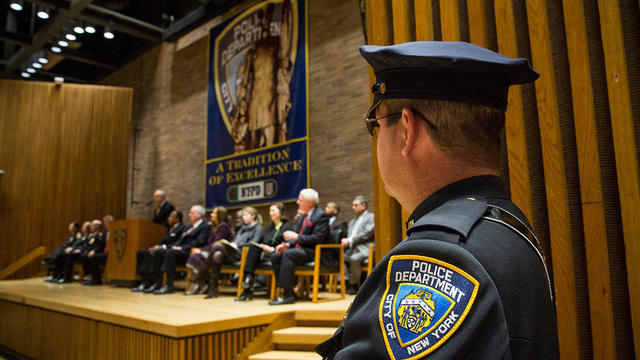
[(73, 254), (163, 208), (332, 209), (145, 258), (177, 253), (299, 246), (95, 255)]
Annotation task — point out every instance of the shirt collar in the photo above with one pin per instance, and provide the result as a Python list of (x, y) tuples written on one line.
[(197, 223), (489, 186)]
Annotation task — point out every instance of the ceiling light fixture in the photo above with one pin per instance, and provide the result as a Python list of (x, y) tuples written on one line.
[(17, 5), (108, 34), (56, 49), (58, 79), (63, 43), (43, 60), (43, 13), (78, 29), (89, 29), (36, 65), (31, 70), (71, 37), (25, 75)]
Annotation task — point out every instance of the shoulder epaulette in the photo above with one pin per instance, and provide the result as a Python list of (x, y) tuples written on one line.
[(459, 215)]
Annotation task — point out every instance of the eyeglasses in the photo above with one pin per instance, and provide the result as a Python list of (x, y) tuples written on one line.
[(373, 126)]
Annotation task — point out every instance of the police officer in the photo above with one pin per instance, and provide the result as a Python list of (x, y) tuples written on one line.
[(470, 280)]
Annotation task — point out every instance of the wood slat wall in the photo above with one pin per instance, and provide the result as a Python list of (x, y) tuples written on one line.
[(567, 136), (65, 153), (45, 334)]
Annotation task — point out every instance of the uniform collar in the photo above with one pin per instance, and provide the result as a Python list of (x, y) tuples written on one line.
[(486, 186)]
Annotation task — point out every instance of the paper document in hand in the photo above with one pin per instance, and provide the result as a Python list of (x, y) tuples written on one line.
[(229, 243)]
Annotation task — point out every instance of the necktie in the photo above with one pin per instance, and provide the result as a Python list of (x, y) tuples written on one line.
[(304, 226)]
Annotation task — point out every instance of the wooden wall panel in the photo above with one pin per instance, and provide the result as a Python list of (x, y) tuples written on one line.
[(65, 154), (602, 324), (515, 127), (625, 150), (582, 250), (388, 229), (555, 181)]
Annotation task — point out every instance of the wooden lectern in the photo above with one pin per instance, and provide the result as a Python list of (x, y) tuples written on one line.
[(125, 239)]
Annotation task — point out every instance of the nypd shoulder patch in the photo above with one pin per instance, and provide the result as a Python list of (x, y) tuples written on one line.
[(424, 303)]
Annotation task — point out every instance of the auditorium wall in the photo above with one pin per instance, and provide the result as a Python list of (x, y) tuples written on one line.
[(170, 113)]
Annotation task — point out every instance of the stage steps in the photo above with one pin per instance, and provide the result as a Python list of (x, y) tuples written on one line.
[(298, 342)]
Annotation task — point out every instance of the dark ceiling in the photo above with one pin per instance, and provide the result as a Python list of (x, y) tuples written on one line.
[(137, 25)]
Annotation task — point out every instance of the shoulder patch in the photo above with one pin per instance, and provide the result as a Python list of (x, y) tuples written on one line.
[(424, 303)]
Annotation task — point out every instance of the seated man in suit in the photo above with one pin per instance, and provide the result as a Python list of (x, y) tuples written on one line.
[(52, 260), (95, 254), (163, 208), (73, 254), (332, 209), (145, 258), (299, 246), (177, 253), (359, 237)]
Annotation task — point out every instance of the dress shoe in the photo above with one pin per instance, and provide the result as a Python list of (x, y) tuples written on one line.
[(164, 290), (193, 289), (246, 295), (151, 288), (212, 293), (246, 282), (138, 288), (63, 281), (283, 300), (352, 289), (202, 289)]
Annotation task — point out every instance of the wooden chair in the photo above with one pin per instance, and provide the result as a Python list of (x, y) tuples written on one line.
[(368, 263), (262, 269), (316, 269), (236, 268)]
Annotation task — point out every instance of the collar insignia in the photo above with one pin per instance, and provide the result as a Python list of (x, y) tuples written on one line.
[(425, 302)]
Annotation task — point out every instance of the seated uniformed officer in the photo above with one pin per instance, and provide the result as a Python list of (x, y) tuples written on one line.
[(470, 281)]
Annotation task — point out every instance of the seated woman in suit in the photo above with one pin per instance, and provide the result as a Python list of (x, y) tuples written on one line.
[(223, 252), (271, 237), (220, 229)]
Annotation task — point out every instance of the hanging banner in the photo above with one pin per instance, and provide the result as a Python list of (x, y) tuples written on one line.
[(257, 108)]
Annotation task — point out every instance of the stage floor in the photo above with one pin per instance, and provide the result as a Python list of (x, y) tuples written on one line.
[(173, 315)]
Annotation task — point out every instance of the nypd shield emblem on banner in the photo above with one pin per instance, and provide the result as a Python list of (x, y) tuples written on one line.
[(425, 302)]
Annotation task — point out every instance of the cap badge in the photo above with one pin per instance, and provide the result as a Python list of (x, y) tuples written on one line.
[(379, 88)]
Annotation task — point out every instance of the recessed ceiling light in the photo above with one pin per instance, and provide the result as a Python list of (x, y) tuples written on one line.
[(31, 70), (58, 79), (43, 14), (36, 65), (89, 29), (56, 49), (78, 29), (63, 43), (108, 34), (25, 74), (43, 60), (16, 5), (71, 37)]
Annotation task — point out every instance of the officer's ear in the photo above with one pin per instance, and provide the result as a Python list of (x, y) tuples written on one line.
[(411, 131)]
